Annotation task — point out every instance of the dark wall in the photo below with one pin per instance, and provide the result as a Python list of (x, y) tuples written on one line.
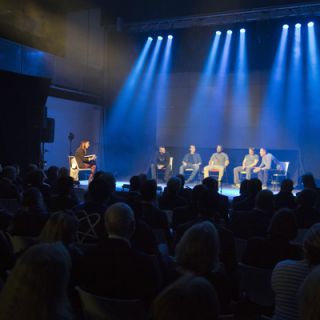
[(22, 113)]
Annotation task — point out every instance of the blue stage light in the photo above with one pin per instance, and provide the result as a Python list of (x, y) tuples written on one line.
[(218, 33), (285, 26), (242, 30), (229, 32), (311, 24), (150, 38), (160, 38), (298, 25), (170, 37)]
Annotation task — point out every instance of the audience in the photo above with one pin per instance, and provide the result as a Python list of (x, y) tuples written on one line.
[(288, 276), (189, 298), (267, 252), (285, 198), (171, 198), (37, 285)]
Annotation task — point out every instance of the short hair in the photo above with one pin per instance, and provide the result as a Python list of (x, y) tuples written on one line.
[(251, 148), (211, 183), (198, 249), (309, 296), (99, 190), (254, 186), (174, 185), (61, 226), (311, 245), (306, 198), (149, 190), (308, 181), (188, 298), (135, 183), (286, 185), (108, 177), (119, 220), (244, 186), (283, 225), (38, 285), (264, 149), (264, 200), (83, 142), (182, 179)]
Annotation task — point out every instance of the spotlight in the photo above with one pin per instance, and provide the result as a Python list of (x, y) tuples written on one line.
[(242, 30), (298, 25), (285, 26), (170, 37), (160, 38), (218, 33), (150, 38), (311, 24), (229, 32)]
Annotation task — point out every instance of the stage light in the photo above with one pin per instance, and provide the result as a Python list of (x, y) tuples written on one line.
[(150, 38), (218, 33), (285, 26), (160, 38), (298, 25), (311, 24), (229, 32), (170, 37), (242, 30)]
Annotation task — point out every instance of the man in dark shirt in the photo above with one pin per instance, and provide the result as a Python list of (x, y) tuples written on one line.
[(161, 161), (191, 160)]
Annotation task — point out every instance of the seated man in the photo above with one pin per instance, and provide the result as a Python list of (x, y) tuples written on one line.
[(248, 163), (161, 161), (265, 166), (84, 161), (218, 162), (191, 160)]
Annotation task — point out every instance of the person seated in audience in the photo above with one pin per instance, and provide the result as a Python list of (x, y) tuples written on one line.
[(63, 196), (52, 176), (170, 198), (63, 172), (135, 186), (185, 193), (243, 193), (218, 161), (285, 198), (306, 213), (222, 200), (190, 212), (198, 253), (309, 296), (37, 285), (150, 213), (7, 256), (36, 179), (189, 298), (8, 189), (288, 276), (254, 223), (208, 212), (29, 220), (267, 252), (248, 202), (191, 160), (112, 268)]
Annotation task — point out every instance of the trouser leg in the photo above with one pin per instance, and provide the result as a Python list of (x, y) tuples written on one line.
[(221, 172), (206, 171), (248, 175), (236, 172), (181, 169), (167, 173), (194, 172)]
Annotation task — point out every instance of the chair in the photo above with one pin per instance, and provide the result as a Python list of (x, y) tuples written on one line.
[(75, 170), (256, 284), (279, 174), (102, 308)]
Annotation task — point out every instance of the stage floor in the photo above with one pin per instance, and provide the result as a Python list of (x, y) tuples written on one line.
[(227, 189)]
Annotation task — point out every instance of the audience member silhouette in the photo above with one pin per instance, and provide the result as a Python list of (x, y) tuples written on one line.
[(285, 198), (171, 198)]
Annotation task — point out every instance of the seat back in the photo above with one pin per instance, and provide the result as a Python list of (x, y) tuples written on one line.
[(102, 308), (256, 284), (283, 167), (86, 229)]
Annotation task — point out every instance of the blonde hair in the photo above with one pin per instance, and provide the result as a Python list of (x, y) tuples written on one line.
[(37, 285)]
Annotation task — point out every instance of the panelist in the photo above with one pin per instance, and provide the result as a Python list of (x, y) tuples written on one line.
[(248, 163), (218, 162), (191, 160), (84, 161), (161, 161)]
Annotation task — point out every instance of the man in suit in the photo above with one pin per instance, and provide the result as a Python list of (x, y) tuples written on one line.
[(113, 268)]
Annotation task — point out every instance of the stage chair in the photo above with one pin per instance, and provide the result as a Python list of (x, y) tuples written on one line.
[(102, 308), (75, 170), (279, 174)]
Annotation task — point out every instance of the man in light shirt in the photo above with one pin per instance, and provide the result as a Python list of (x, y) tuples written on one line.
[(248, 163)]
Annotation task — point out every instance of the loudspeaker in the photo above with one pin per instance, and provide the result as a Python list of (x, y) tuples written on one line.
[(48, 130)]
